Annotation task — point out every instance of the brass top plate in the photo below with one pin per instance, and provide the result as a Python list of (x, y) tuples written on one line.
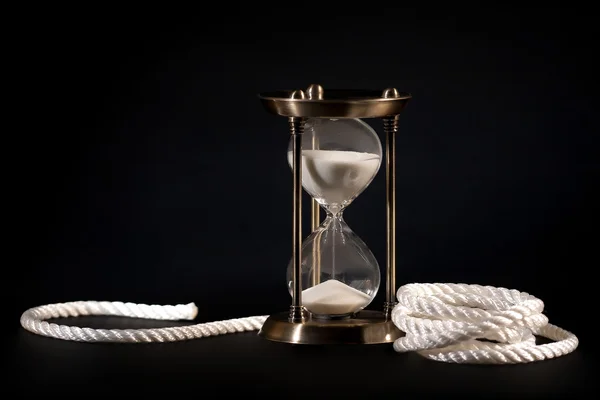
[(336, 103)]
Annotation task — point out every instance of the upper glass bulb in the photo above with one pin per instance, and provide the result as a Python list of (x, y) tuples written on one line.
[(340, 157)]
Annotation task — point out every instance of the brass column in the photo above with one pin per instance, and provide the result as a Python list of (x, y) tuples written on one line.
[(316, 216), (296, 130), (315, 92), (314, 224), (390, 126)]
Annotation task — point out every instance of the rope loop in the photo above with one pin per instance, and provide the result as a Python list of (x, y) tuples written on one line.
[(463, 323)]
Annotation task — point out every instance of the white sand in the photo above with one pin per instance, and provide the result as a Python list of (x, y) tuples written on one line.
[(336, 176), (333, 297)]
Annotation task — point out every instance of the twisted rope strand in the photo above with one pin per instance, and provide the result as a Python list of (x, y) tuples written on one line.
[(34, 321), (455, 323)]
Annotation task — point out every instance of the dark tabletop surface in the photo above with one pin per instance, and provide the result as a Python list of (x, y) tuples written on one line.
[(248, 365)]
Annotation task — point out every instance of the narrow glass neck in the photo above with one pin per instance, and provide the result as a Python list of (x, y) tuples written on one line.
[(335, 211)]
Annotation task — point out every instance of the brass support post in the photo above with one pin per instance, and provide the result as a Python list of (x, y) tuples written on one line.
[(390, 126), (296, 309)]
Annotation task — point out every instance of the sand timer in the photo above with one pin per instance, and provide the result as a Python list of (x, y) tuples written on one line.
[(339, 273), (334, 155)]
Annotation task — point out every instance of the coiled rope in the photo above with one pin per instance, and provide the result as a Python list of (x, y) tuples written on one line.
[(456, 323)]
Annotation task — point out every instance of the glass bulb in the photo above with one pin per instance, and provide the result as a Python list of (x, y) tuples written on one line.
[(340, 157)]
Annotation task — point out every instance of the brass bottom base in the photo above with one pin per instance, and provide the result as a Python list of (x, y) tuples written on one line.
[(367, 327)]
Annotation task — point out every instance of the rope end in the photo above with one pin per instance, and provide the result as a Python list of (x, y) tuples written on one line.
[(193, 310)]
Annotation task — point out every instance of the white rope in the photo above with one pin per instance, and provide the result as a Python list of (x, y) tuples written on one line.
[(457, 322), (34, 321), (443, 322)]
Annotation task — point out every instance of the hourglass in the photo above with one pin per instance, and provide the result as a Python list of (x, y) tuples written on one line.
[(334, 155)]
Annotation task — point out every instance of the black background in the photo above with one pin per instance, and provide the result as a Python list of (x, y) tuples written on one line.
[(150, 173)]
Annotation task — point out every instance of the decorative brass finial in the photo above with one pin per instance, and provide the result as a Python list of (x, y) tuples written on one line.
[(315, 92), (391, 93), (297, 95)]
